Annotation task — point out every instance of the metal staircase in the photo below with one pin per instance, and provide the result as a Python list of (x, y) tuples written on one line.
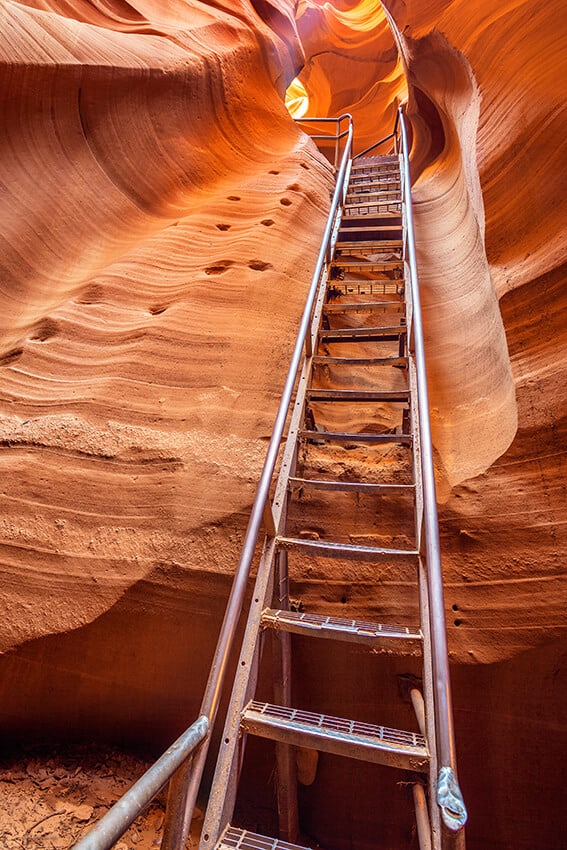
[(363, 328), (355, 493)]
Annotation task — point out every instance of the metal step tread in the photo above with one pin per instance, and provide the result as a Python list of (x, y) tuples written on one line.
[(329, 360), (327, 548), (362, 307), (364, 227), (341, 628), (378, 286), (365, 244), (375, 183), (347, 437), (339, 735), (296, 483), (359, 334), (242, 839), (368, 266), (376, 159), (315, 394)]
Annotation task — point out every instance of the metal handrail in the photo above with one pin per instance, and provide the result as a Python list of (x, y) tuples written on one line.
[(116, 821), (449, 797), (183, 791), (184, 762)]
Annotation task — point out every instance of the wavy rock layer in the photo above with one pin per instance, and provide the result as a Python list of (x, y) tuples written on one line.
[(160, 219), (148, 307)]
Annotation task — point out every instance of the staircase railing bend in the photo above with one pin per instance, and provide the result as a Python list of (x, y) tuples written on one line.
[(183, 763)]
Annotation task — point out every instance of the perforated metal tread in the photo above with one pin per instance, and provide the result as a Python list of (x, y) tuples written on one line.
[(363, 307), (242, 839), (349, 551), (375, 286), (344, 437), (338, 735), (339, 628), (387, 334), (317, 394), (328, 360)]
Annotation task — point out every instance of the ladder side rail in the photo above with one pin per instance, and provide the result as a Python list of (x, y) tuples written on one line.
[(185, 784), (449, 796), (220, 809), (183, 763)]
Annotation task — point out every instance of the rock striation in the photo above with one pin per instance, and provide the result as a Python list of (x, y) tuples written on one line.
[(159, 222)]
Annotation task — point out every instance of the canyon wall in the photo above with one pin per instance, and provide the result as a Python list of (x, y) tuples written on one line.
[(160, 220)]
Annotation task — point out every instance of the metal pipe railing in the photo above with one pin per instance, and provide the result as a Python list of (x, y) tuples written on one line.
[(449, 797), (183, 763), (123, 813), (183, 791)]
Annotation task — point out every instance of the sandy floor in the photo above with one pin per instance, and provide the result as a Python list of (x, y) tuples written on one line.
[(49, 799)]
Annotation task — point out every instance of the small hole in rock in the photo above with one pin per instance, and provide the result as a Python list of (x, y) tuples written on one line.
[(267, 222), (455, 607), (285, 202), (223, 226), (233, 198), (11, 356), (157, 309), (458, 622), (273, 172), (221, 267), (44, 329), (293, 187), (91, 295), (343, 600), (259, 265), (306, 167)]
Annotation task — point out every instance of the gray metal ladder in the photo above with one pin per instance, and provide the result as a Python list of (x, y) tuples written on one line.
[(348, 443)]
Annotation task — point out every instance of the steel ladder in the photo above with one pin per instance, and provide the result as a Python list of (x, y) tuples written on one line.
[(349, 498)]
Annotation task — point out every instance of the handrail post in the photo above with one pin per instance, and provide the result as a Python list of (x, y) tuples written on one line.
[(449, 796)]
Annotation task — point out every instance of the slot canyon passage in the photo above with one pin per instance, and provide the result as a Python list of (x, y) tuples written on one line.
[(161, 217)]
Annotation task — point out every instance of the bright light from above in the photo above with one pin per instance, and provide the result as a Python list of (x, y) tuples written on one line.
[(297, 99)]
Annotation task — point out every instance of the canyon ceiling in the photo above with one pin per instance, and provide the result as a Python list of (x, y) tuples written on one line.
[(160, 220)]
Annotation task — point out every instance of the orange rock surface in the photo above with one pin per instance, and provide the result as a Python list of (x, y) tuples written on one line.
[(159, 225)]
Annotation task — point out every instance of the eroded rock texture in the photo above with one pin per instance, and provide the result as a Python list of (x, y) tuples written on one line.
[(160, 219), (148, 307)]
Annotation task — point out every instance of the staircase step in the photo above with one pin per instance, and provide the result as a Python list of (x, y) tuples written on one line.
[(365, 207), (348, 487), (242, 839), (376, 286), (343, 437), (365, 266), (339, 628), (363, 334), (328, 360), (388, 221), (362, 307), (328, 549), (382, 246), (388, 186), (357, 395), (352, 738), (376, 159)]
